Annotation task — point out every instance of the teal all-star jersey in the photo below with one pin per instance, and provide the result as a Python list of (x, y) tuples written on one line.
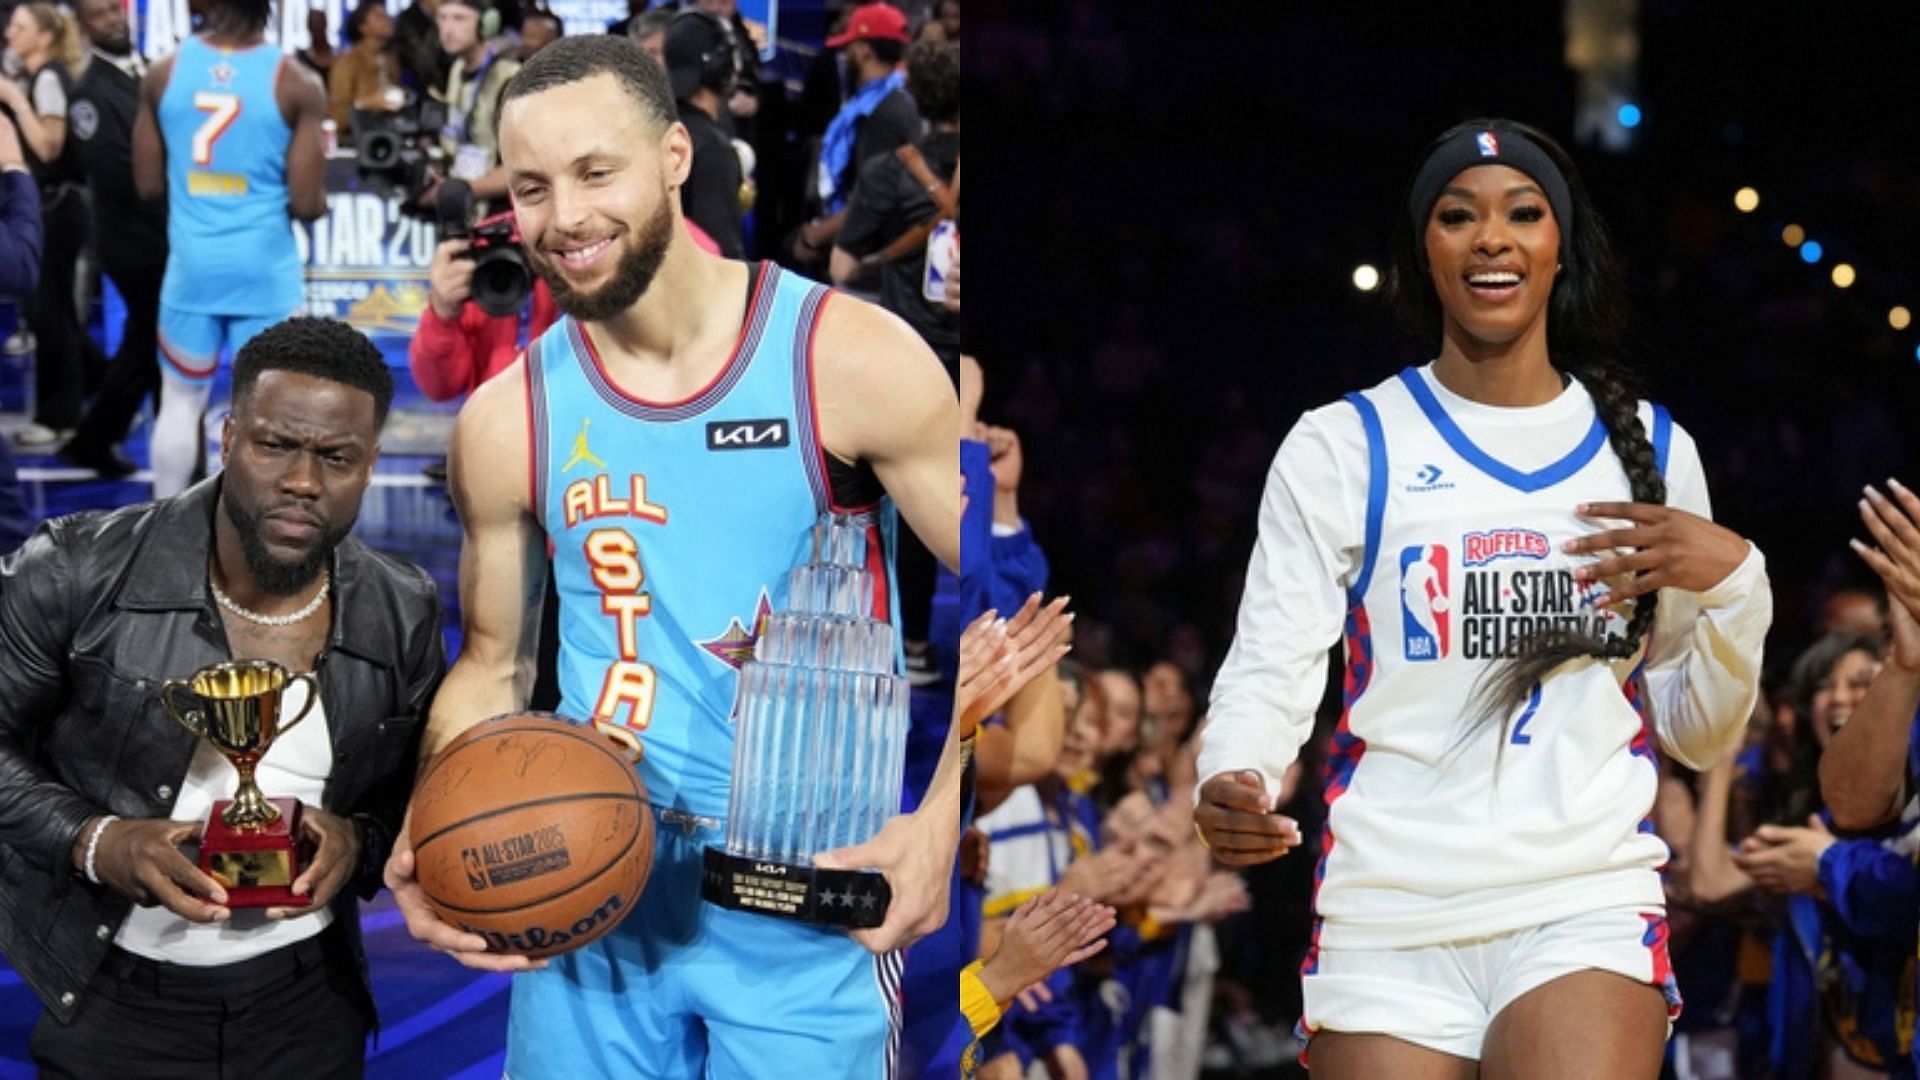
[(231, 249), (673, 526)]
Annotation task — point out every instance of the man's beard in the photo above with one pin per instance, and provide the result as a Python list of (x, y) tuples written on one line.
[(271, 574), (639, 262), (122, 46)]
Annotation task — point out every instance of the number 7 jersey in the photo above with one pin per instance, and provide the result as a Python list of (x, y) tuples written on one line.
[(231, 249)]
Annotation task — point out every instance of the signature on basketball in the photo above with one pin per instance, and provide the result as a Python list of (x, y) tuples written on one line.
[(443, 782), (540, 759)]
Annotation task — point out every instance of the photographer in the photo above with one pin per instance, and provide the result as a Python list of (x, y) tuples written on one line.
[(701, 67), (480, 73), (462, 340), (458, 345)]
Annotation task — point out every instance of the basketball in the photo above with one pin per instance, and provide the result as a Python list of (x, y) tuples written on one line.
[(533, 833)]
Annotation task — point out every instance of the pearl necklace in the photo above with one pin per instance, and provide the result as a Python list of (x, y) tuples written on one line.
[(302, 615)]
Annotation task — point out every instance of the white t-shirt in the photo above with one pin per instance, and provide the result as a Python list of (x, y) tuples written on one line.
[(295, 766), (49, 97), (1429, 547), (1029, 848)]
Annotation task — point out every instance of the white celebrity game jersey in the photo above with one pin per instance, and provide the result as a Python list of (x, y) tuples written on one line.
[(1425, 531)]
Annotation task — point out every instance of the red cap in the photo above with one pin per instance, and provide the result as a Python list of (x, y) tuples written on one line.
[(872, 22)]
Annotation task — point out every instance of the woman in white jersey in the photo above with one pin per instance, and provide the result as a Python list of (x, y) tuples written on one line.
[(1519, 557)]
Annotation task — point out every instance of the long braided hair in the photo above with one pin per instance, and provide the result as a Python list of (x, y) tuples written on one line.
[(1586, 318)]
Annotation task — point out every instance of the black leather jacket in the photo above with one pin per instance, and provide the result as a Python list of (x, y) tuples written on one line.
[(95, 611)]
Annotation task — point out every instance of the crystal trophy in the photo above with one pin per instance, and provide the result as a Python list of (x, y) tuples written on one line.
[(819, 753)]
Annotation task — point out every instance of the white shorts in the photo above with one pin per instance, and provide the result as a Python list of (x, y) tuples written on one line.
[(1443, 997)]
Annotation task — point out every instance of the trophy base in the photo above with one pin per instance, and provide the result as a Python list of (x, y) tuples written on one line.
[(257, 867), (851, 899)]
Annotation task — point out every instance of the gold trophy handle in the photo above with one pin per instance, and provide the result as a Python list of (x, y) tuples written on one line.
[(313, 695), (198, 723)]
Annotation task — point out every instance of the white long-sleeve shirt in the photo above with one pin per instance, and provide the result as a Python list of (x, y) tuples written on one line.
[(1425, 531)]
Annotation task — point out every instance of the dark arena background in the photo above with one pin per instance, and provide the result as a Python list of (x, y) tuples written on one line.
[(1176, 209), (1178, 223)]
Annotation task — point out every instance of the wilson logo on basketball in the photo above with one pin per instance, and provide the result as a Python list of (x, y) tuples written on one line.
[(532, 939), (516, 858)]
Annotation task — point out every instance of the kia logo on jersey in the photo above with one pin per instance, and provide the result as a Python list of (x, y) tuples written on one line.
[(746, 434), (1425, 608)]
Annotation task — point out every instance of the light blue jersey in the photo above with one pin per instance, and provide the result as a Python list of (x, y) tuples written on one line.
[(672, 529), (231, 247)]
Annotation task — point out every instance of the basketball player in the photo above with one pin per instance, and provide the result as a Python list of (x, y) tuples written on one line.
[(1489, 901), (229, 131), (672, 442)]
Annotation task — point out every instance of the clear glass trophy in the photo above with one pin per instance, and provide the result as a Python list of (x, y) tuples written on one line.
[(820, 730)]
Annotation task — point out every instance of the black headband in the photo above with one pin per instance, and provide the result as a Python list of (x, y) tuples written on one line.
[(1485, 146)]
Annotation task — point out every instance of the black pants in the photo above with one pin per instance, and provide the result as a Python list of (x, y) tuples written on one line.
[(298, 1011), (135, 371), (65, 358)]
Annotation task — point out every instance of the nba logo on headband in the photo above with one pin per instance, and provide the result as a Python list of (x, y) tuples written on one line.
[(1489, 146)]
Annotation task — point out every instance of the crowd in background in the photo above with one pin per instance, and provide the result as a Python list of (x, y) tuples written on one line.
[(1144, 465), (800, 170)]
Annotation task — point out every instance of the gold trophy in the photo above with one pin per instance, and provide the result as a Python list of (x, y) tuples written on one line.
[(252, 845)]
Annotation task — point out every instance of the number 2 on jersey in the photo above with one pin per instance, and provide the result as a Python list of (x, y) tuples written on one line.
[(1520, 736), (222, 110)]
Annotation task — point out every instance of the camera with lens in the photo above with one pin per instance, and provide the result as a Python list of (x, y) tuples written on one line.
[(502, 280), (397, 150)]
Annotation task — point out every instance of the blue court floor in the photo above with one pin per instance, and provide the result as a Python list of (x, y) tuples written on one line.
[(438, 1019)]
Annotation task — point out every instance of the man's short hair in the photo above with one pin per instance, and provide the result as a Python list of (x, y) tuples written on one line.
[(323, 348), (933, 78), (651, 22), (252, 15), (576, 59)]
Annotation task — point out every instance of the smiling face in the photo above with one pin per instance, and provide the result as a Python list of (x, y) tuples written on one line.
[(1837, 695), (1493, 249), (595, 181)]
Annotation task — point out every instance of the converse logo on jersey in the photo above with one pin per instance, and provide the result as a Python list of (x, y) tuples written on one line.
[(1428, 479), (747, 434)]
